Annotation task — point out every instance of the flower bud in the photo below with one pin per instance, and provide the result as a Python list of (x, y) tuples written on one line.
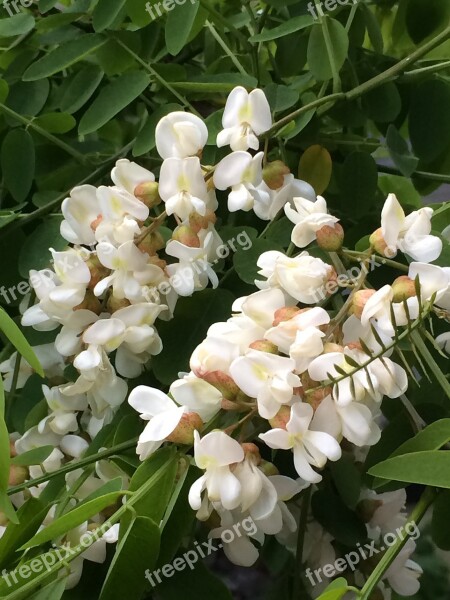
[(148, 193), (17, 475), (359, 301), (198, 222), (186, 236), (332, 347), (403, 287), (317, 395), (114, 304), (97, 270), (230, 405), (285, 314), (222, 382), (251, 452), (366, 508), (280, 420), (12, 449), (268, 468), (274, 173), (330, 237), (90, 302), (152, 243), (378, 242), (184, 432), (264, 346)]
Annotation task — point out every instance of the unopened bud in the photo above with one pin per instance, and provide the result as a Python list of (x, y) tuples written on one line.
[(97, 271), (359, 301), (316, 397), (17, 475), (280, 420), (230, 405), (274, 173), (268, 468), (198, 222), (403, 287), (184, 432), (90, 302), (379, 244), (152, 242), (148, 193), (264, 346), (186, 236), (285, 314), (251, 452), (330, 237), (114, 304), (222, 382)]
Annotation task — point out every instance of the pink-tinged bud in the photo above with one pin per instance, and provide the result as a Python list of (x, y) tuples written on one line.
[(367, 508), (268, 468), (264, 346), (378, 242), (285, 314), (148, 193), (359, 301), (184, 433), (354, 346), (330, 237), (222, 382), (280, 420), (316, 396), (274, 173), (90, 302), (404, 287), (96, 222), (234, 406), (332, 347), (3, 519), (12, 449), (251, 452), (17, 475), (186, 236), (97, 270), (152, 243), (114, 304), (198, 222)]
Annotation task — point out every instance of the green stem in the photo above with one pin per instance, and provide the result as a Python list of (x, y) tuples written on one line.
[(226, 49), (51, 138), (302, 524), (419, 174), (430, 69), (417, 340), (217, 16), (416, 516), (73, 466), (330, 52)]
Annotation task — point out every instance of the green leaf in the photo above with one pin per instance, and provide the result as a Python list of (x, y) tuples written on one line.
[(19, 24), (427, 468), (112, 99), (64, 56), (181, 335), (18, 163), (55, 122), (335, 591), (318, 58), (383, 104), (105, 12), (193, 584), (35, 252), (126, 574), (429, 119), (53, 591), (4, 445), (245, 260), (316, 167), (432, 437), (72, 519), (18, 340), (280, 97), (403, 188), (32, 457), (81, 88), (440, 524), (294, 24), (145, 140), (180, 21), (400, 152), (358, 182), (4, 90), (347, 479)]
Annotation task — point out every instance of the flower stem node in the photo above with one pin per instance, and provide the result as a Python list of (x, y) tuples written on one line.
[(274, 173), (403, 287), (264, 346), (148, 193), (186, 236), (184, 432), (17, 475), (360, 299), (280, 420), (330, 237)]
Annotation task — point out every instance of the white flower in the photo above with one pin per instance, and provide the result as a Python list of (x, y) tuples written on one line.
[(246, 116), (403, 574), (198, 395), (410, 234), (268, 378), (443, 341), (213, 354), (303, 277), (179, 135), (308, 217), (182, 187), (214, 454), (63, 416), (309, 447), (80, 210), (68, 341), (161, 412), (243, 173), (388, 516), (434, 281), (128, 175), (283, 196), (300, 337), (51, 362)]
